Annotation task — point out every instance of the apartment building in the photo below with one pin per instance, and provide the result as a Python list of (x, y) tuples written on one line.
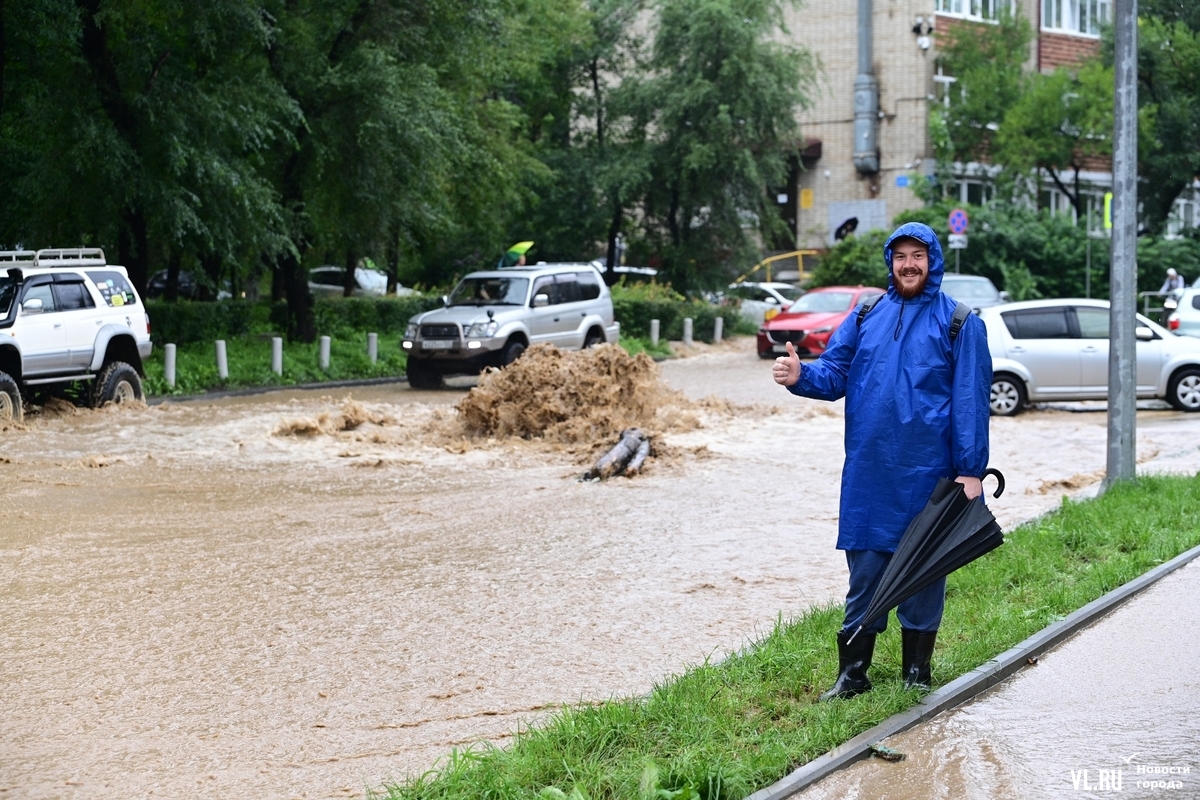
[(838, 183)]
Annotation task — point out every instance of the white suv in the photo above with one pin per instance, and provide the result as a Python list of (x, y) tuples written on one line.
[(67, 315), (491, 317)]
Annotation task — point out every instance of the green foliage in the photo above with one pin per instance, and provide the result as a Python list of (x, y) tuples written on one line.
[(186, 322), (635, 305), (854, 260), (724, 729), (717, 107), (988, 67)]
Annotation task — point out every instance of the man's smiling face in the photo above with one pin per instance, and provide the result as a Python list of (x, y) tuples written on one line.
[(910, 266)]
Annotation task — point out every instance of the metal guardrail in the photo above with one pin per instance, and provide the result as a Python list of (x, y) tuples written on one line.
[(1148, 309)]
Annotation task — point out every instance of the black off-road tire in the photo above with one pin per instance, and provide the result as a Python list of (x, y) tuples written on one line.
[(512, 351), (422, 376), (117, 383), (1183, 390), (593, 338), (11, 407), (1008, 395)]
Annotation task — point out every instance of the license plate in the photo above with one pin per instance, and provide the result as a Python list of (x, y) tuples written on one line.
[(437, 344), (779, 348)]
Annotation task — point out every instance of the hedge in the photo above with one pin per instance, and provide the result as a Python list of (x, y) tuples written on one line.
[(634, 307)]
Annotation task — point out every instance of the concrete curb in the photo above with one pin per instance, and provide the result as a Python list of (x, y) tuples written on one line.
[(253, 390), (969, 685)]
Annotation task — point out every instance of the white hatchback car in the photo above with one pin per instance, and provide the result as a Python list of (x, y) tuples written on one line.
[(1058, 350)]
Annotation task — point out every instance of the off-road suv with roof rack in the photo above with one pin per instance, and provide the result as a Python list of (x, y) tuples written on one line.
[(67, 316), (491, 317)]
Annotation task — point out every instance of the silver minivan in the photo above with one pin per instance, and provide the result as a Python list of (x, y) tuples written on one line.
[(492, 317), (1058, 350)]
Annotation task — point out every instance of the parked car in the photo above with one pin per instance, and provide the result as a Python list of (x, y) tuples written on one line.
[(760, 302), (811, 320), (629, 274), (491, 318), (68, 316), (329, 280), (973, 290), (1185, 319), (189, 287), (1058, 350)]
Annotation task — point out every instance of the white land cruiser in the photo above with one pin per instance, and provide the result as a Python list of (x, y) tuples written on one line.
[(491, 317), (67, 315)]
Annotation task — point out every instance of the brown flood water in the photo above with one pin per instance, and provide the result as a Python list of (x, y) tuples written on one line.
[(195, 606)]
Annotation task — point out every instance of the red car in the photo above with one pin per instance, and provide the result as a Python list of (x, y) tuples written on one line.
[(811, 320)]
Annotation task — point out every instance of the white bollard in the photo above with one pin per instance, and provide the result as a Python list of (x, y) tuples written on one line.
[(169, 364), (687, 331), (222, 360), (373, 347), (718, 329), (277, 355), (324, 353), (654, 326)]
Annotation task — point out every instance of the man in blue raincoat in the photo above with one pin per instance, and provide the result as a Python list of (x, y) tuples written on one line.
[(916, 411)]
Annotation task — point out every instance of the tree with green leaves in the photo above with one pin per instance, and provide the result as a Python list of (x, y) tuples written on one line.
[(719, 115)]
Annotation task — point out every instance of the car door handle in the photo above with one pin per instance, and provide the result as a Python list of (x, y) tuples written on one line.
[(1090, 349), (556, 319), (1017, 350), (58, 325)]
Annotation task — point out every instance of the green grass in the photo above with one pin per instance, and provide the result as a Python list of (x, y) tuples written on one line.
[(727, 729), (249, 359)]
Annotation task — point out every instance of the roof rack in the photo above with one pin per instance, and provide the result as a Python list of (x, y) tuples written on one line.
[(16, 257), (70, 257)]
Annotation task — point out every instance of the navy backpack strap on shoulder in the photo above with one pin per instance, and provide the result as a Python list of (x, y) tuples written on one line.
[(867, 305), (961, 312)]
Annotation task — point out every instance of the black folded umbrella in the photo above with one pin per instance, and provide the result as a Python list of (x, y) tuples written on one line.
[(950, 532)]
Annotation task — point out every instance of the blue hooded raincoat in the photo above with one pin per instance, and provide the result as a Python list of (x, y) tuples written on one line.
[(916, 403)]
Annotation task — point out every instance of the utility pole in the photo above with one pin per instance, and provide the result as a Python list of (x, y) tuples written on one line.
[(1122, 348)]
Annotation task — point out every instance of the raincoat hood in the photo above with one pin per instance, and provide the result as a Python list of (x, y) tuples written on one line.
[(937, 262)]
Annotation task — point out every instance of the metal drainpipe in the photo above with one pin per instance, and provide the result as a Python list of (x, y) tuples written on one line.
[(866, 99)]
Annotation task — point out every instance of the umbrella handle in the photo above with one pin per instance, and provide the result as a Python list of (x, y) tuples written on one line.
[(999, 479), (856, 633)]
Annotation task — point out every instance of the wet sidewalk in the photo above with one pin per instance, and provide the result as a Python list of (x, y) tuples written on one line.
[(1114, 711)]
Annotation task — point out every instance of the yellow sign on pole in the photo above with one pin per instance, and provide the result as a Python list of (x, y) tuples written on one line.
[(1108, 210)]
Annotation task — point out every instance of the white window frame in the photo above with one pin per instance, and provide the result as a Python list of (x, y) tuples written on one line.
[(1185, 213), (1075, 17), (974, 10)]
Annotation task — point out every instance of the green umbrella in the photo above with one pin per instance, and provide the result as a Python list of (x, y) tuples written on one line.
[(514, 253)]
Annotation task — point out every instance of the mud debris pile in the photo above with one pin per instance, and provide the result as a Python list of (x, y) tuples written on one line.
[(574, 397), (352, 415)]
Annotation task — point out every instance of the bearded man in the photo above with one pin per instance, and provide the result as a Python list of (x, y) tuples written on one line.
[(916, 411)]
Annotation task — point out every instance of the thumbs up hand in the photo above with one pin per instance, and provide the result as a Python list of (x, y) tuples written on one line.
[(786, 370)]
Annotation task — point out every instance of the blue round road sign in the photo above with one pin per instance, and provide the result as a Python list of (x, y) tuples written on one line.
[(958, 221)]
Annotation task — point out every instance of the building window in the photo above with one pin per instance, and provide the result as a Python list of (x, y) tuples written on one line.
[(975, 9), (1184, 215), (941, 87), (976, 193), (1075, 16)]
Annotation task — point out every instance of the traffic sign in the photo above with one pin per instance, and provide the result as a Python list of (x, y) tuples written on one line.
[(958, 221), (958, 241), (1108, 210)]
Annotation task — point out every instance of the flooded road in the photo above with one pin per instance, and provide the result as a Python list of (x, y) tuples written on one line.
[(297, 595)]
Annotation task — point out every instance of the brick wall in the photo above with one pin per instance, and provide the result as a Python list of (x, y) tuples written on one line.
[(1064, 50)]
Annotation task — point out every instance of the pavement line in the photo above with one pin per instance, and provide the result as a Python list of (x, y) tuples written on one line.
[(967, 686)]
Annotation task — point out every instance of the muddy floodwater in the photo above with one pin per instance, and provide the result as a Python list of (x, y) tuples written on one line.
[(303, 595)]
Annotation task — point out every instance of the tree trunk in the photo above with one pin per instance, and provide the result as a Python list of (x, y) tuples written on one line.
[(2, 57), (134, 245), (277, 287), (393, 261), (302, 322), (349, 283)]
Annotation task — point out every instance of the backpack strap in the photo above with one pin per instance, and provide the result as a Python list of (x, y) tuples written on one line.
[(867, 305), (961, 312)]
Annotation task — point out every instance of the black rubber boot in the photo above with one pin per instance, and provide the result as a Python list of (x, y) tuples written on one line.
[(916, 649), (854, 660)]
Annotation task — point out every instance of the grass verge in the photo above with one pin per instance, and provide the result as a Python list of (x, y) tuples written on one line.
[(249, 359), (726, 729)]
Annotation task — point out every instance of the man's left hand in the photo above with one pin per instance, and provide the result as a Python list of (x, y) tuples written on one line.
[(972, 487)]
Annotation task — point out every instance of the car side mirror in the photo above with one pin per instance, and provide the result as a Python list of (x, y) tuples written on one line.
[(445, 301), (1005, 297), (541, 300), (1144, 334), (32, 306), (773, 300)]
